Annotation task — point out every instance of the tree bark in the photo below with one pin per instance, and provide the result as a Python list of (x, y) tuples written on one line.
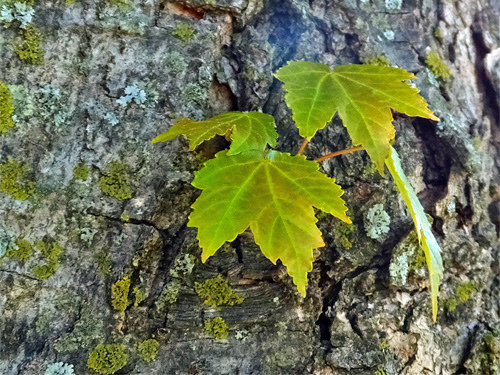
[(367, 309)]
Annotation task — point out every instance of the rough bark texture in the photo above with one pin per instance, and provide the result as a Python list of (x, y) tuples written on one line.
[(367, 310)]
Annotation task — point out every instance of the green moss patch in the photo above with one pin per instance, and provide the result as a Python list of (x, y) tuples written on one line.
[(437, 66), (377, 60), (138, 295), (125, 216), (120, 4), (116, 181), (119, 294), (216, 292), (148, 349), (51, 253), (184, 33), (107, 359), (344, 233), (81, 172), (217, 327), (14, 181), (23, 252), (104, 263), (30, 50), (464, 291), (419, 259), (463, 294), (6, 109)]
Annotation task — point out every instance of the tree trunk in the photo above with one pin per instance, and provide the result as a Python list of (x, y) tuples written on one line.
[(367, 309)]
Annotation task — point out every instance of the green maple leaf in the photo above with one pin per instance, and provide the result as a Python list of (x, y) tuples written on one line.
[(363, 95), (274, 196), (422, 225), (248, 131)]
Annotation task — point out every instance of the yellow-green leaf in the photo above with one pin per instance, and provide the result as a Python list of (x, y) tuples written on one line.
[(363, 95), (422, 226), (274, 196), (248, 131)]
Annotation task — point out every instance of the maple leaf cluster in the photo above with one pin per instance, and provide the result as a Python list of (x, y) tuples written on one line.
[(273, 193)]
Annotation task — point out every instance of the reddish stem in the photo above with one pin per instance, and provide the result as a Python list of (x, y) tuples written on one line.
[(303, 146), (341, 152)]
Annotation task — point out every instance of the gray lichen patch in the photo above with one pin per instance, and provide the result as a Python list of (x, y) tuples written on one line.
[(377, 221), (407, 256), (7, 241)]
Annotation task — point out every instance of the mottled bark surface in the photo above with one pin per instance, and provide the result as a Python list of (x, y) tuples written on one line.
[(367, 310)]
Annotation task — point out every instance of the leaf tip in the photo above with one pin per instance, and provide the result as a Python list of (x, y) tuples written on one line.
[(164, 137), (381, 169), (434, 308), (156, 139), (302, 290)]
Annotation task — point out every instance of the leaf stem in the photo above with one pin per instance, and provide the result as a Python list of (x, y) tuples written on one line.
[(341, 152), (303, 146)]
